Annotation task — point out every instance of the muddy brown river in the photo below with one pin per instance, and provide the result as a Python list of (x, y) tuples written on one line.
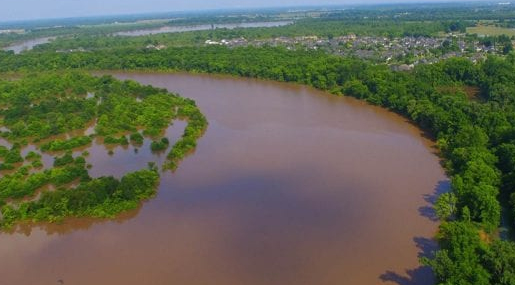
[(288, 185)]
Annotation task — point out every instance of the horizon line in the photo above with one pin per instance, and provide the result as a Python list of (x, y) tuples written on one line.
[(243, 9)]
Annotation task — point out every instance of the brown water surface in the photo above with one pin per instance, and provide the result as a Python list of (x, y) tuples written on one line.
[(288, 186)]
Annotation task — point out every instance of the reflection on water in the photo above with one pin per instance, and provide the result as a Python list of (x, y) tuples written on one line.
[(177, 29), (287, 186), (79, 224)]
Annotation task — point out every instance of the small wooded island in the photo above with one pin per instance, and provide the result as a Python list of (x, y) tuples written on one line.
[(44, 111)]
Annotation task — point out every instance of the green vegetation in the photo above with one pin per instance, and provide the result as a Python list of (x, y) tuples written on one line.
[(136, 138), (39, 106), (58, 145), (10, 156), (111, 140), (46, 105), (194, 130), (160, 145), (64, 160), (491, 31), (100, 198), (31, 156), (21, 184)]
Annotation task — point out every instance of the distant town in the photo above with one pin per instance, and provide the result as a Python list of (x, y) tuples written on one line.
[(401, 53)]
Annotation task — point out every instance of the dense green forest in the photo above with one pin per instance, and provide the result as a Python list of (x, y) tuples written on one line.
[(38, 109), (474, 130)]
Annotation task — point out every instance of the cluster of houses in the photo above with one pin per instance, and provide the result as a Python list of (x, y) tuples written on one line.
[(403, 52)]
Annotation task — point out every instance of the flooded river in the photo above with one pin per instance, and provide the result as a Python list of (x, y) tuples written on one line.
[(28, 44), (177, 29), (288, 186)]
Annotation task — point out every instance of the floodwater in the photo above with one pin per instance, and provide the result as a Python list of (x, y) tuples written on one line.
[(122, 160), (28, 45), (288, 186), (178, 29)]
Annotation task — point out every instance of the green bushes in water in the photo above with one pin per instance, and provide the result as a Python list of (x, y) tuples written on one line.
[(160, 145), (6, 166), (197, 124), (10, 156), (112, 140), (136, 138), (103, 197), (23, 184), (55, 105), (64, 160), (59, 145), (32, 156)]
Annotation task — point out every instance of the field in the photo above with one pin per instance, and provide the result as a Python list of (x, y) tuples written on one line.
[(491, 31)]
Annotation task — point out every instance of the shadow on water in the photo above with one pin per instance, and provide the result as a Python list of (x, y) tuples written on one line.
[(418, 276), (428, 210), (427, 246)]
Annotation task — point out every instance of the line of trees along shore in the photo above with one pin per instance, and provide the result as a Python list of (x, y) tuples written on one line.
[(468, 108)]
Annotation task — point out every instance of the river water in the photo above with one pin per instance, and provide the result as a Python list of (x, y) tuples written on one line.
[(28, 44), (288, 185), (177, 29)]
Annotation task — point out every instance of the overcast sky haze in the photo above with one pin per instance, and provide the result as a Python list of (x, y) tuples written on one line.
[(43, 9)]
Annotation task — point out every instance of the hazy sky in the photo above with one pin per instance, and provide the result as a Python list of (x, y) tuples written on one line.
[(40, 9)]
